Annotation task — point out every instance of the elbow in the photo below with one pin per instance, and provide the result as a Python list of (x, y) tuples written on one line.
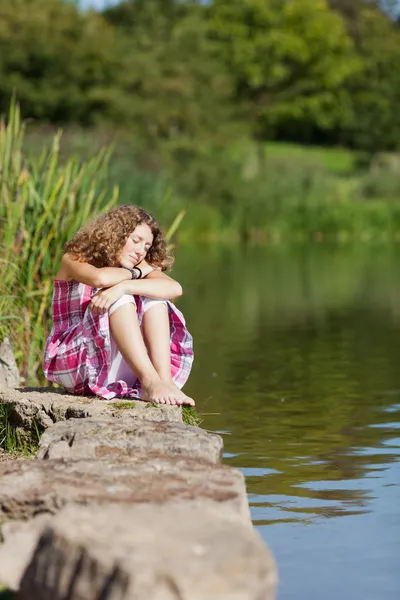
[(100, 281), (178, 290)]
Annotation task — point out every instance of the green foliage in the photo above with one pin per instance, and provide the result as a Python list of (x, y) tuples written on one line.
[(190, 416), (15, 439), (334, 160), (42, 204), (123, 405), (183, 89), (376, 88), (193, 73), (61, 63), (174, 87), (289, 59)]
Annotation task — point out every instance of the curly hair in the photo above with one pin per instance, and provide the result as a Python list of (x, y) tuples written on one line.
[(100, 242)]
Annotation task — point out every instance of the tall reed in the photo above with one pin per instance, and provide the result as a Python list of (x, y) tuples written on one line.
[(42, 203)]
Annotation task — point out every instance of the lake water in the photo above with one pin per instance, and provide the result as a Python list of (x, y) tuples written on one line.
[(298, 367)]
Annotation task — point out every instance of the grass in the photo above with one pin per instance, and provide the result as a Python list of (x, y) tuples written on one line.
[(123, 405), (25, 442), (336, 160), (190, 416), (274, 192), (44, 199), (43, 202), (14, 439)]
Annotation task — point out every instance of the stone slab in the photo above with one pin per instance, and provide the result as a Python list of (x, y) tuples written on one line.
[(42, 407), (137, 553), (96, 438), (32, 487), (32, 490)]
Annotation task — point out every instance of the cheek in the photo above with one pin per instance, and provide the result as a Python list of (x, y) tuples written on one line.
[(128, 247)]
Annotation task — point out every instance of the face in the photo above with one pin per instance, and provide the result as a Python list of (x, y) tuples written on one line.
[(136, 246)]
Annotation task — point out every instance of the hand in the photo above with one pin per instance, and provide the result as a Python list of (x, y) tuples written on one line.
[(103, 299)]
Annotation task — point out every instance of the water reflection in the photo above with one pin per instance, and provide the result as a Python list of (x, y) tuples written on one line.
[(297, 351)]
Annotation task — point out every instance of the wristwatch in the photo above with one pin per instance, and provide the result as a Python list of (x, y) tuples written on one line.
[(136, 273)]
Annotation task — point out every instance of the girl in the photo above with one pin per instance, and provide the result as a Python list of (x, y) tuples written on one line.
[(115, 332)]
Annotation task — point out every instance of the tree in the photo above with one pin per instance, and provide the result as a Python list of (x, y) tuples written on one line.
[(62, 64), (375, 90), (174, 87), (289, 61), (352, 8)]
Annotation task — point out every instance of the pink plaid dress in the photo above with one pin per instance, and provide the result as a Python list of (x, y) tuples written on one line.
[(78, 350)]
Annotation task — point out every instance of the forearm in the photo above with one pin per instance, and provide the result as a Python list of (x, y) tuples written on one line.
[(157, 288), (109, 276)]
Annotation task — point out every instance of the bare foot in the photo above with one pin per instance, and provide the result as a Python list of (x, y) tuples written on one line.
[(158, 391), (179, 396)]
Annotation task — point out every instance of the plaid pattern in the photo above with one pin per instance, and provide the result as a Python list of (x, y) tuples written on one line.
[(78, 349)]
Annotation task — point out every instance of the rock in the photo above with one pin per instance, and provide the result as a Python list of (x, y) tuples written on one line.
[(19, 541), (9, 375), (97, 438), (33, 487), (30, 408), (138, 553)]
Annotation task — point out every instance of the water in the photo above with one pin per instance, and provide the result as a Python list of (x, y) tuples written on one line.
[(297, 366)]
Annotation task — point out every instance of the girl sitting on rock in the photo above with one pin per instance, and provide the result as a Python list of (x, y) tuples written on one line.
[(116, 333)]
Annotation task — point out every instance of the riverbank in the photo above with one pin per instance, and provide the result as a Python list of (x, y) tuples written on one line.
[(247, 191), (127, 501)]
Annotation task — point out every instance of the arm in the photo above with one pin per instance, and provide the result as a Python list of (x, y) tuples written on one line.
[(90, 275), (156, 285)]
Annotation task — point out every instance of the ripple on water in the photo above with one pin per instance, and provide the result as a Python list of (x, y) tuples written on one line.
[(298, 348)]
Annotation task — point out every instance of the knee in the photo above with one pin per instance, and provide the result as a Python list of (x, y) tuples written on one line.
[(123, 301), (151, 303)]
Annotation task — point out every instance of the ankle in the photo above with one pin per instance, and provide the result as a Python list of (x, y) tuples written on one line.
[(149, 379)]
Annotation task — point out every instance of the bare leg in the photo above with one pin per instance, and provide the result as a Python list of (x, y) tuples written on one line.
[(156, 334), (132, 347)]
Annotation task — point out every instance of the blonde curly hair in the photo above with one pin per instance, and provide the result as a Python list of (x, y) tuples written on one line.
[(100, 242)]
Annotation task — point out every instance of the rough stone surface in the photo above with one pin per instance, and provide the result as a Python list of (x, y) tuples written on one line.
[(138, 553), (29, 488), (9, 375), (96, 438), (19, 541), (42, 407)]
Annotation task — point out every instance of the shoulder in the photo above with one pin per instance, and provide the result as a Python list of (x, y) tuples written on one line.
[(63, 272), (74, 269)]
